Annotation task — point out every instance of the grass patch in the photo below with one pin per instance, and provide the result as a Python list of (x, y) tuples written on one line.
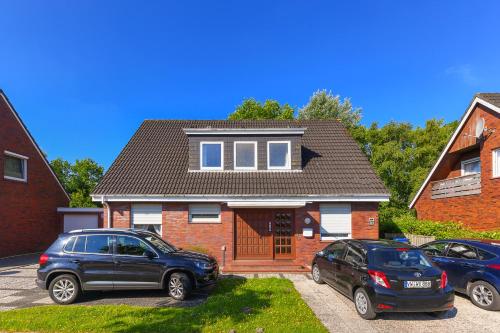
[(274, 305)]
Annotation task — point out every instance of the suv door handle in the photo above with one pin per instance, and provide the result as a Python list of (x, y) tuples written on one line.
[(75, 261)]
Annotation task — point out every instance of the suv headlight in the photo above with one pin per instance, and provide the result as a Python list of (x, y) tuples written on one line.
[(203, 265)]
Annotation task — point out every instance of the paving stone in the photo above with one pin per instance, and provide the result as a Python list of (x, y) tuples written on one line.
[(46, 300), (10, 299), (6, 308)]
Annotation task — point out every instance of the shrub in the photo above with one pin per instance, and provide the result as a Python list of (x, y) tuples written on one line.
[(408, 224), (196, 248)]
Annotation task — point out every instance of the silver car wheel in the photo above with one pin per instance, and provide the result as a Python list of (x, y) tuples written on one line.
[(176, 287), (316, 273), (63, 290), (482, 295), (361, 303)]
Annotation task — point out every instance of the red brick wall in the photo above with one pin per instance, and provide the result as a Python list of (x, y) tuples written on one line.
[(482, 211), (213, 236), (28, 210)]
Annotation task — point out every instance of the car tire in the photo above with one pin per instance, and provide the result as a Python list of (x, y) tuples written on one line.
[(64, 289), (316, 274), (179, 286), (363, 305), (484, 295)]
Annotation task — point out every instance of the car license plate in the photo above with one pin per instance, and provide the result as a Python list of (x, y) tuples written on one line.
[(417, 284)]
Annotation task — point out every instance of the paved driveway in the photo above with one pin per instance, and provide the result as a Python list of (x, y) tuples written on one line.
[(339, 315), (18, 290)]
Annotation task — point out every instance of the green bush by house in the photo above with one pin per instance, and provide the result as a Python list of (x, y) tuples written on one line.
[(408, 224)]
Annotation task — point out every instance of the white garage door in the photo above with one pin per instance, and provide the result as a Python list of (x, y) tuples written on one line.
[(79, 221), (335, 221)]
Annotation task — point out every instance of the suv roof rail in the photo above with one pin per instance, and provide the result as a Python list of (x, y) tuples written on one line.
[(103, 230)]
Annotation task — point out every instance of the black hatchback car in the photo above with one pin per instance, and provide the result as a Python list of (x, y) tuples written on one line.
[(383, 276), (119, 259)]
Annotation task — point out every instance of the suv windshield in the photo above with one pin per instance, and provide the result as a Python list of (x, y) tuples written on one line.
[(399, 259), (159, 243)]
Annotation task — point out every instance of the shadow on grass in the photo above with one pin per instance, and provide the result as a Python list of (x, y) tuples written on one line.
[(227, 302)]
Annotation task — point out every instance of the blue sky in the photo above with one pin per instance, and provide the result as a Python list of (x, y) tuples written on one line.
[(84, 74)]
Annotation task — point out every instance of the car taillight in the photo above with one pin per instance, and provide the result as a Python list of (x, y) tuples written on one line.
[(494, 266), (379, 278), (444, 280), (43, 259)]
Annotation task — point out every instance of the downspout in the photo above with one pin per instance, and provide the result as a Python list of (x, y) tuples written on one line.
[(108, 210)]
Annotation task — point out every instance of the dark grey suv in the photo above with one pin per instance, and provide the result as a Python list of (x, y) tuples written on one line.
[(119, 259)]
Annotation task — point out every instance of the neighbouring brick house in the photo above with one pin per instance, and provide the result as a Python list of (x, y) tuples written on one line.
[(29, 190), (259, 195), (464, 184)]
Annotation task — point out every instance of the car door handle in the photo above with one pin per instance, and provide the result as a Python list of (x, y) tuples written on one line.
[(75, 261)]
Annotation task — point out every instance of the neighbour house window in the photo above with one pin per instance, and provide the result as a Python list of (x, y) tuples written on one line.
[(15, 166), (472, 166), (245, 155), (211, 156), (335, 221), (496, 162), (278, 155), (147, 217), (204, 213)]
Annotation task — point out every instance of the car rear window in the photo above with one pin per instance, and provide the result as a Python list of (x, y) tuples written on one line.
[(399, 258)]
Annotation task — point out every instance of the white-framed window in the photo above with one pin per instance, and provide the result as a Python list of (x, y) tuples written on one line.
[(471, 166), (336, 222), (496, 162), (212, 155), (245, 155), (15, 166), (204, 213), (278, 155), (147, 217)]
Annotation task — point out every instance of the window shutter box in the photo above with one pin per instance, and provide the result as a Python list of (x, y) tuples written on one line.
[(207, 213), (146, 214), (335, 221)]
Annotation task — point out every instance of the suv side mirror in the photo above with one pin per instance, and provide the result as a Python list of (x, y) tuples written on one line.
[(149, 254), (321, 253)]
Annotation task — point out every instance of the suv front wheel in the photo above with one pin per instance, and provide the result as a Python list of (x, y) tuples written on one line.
[(64, 289), (179, 286)]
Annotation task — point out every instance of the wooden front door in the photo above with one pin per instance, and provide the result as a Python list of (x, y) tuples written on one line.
[(264, 234)]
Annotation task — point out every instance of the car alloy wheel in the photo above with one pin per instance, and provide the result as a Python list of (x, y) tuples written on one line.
[(315, 273), (361, 303), (63, 290), (482, 295), (176, 287)]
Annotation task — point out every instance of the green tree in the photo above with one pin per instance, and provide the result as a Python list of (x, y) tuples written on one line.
[(270, 109), (79, 179), (324, 105)]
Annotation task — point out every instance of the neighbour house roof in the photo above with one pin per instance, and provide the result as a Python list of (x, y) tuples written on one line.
[(37, 148), (155, 162), (489, 100)]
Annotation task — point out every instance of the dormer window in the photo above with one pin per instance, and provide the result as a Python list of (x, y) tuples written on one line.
[(278, 155), (245, 155), (211, 155)]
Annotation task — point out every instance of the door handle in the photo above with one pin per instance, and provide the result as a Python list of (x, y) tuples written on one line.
[(76, 261), (270, 227)]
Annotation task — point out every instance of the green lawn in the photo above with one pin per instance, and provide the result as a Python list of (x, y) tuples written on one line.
[(276, 307)]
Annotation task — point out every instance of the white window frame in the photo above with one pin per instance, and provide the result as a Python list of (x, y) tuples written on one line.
[(25, 166), (288, 165), (204, 220), (255, 147), (471, 160), (134, 223), (330, 238), (495, 162), (221, 143)]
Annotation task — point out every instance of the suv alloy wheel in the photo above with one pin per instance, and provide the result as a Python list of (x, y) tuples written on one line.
[(64, 289), (179, 286)]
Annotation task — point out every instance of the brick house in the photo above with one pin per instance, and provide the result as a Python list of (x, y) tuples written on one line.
[(258, 195), (464, 184), (29, 190)]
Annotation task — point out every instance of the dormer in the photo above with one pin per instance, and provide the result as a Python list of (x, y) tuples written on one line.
[(245, 149)]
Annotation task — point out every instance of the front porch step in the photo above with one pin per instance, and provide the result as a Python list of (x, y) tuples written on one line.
[(262, 266)]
